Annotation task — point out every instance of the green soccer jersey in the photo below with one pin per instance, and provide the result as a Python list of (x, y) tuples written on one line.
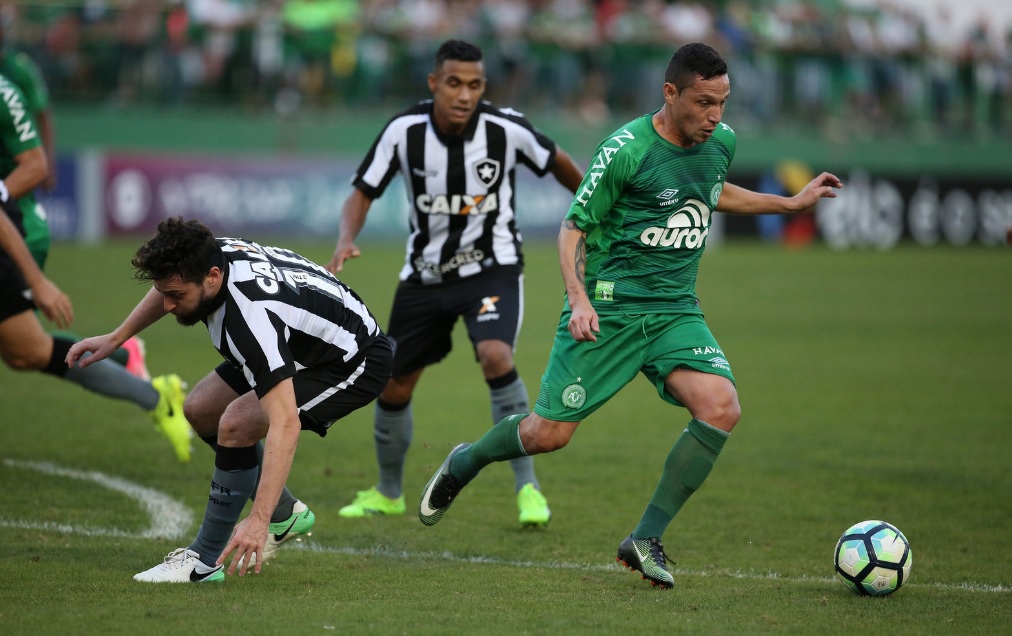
[(17, 134), (646, 205), (21, 71)]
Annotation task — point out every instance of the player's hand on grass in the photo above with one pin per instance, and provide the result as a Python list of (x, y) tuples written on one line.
[(53, 303), (248, 538)]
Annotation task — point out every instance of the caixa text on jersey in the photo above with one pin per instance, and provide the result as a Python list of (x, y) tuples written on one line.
[(457, 203)]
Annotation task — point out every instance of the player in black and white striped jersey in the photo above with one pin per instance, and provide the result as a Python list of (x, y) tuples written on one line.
[(458, 156), (301, 351)]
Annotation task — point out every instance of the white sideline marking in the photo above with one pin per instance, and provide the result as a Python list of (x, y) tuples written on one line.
[(611, 567), (169, 518)]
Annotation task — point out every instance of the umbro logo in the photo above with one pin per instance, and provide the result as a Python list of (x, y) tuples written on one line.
[(668, 197), (720, 363), (424, 174)]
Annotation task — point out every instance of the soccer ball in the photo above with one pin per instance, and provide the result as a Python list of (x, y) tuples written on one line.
[(873, 558)]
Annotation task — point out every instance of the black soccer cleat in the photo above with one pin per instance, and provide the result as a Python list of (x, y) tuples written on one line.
[(440, 492), (647, 557)]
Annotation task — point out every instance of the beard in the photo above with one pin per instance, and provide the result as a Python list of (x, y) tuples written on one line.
[(203, 309)]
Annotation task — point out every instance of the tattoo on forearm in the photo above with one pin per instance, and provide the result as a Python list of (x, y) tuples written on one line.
[(580, 260), (580, 252)]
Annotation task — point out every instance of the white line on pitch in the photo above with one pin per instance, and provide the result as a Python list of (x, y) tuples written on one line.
[(609, 567), (171, 520)]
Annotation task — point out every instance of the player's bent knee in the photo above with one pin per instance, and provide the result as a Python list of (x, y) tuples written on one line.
[(547, 436), (203, 419), (398, 390), (18, 361), (722, 412), (233, 432)]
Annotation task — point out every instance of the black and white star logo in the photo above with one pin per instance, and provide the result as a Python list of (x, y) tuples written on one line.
[(486, 171)]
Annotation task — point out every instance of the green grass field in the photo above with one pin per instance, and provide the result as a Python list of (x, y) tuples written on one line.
[(873, 386)]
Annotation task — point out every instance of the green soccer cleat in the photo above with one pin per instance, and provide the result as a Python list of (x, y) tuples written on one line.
[(294, 527), (168, 414), (372, 502), (647, 557), (534, 510)]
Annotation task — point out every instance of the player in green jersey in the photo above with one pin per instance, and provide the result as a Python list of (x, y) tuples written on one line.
[(21, 71), (629, 249), (24, 344)]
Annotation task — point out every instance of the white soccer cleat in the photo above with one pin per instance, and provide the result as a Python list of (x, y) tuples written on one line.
[(182, 566)]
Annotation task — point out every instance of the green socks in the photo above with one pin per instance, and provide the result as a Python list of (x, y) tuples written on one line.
[(685, 469), (500, 443)]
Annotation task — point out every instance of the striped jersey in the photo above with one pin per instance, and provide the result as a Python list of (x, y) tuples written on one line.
[(277, 313), (461, 189), (646, 205)]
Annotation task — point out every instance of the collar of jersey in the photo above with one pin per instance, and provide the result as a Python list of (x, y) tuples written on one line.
[(469, 130)]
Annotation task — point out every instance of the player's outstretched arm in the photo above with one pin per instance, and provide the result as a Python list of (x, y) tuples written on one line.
[(566, 171), (353, 214), (738, 200), (583, 321), (148, 311), (823, 186)]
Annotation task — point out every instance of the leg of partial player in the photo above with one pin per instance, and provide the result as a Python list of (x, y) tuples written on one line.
[(509, 396), (686, 467), (25, 346)]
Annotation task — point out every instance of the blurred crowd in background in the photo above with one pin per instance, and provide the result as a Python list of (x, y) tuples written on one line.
[(845, 69)]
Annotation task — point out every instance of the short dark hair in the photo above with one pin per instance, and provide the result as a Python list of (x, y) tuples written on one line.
[(692, 60), (180, 248), (458, 50)]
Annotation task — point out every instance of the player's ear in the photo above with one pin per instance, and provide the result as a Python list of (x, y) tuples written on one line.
[(433, 82), (213, 276), (670, 92)]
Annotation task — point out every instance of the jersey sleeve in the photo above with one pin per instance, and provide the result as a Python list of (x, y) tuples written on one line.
[(727, 137), (17, 129), (380, 164), (534, 149), (602, 185), (31, 84)]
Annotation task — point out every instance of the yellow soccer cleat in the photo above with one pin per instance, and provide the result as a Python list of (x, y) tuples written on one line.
[(533, 507), (372, 502), (168, 414)]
